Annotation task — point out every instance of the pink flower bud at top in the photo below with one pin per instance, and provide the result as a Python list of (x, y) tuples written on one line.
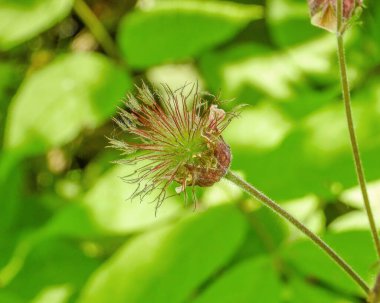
[(177, 137), (323, 13)]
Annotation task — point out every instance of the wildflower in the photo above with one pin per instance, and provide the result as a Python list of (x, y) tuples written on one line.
[(178, 138), (324, 13)]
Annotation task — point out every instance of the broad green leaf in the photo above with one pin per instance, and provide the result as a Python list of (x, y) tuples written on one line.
[(11, 180), (168, 264), (74, 220), (75, 92), (254, 280), (21, 20), (173, 31), (300, 291), (358, 218), (264, 72), (309, 211), (271, 127), (52, 263), (266, 234), (7, 297), (289, 22), (353, 196), (355, 247), (105, 210), (109, 208), (352, 220), (309, 152)]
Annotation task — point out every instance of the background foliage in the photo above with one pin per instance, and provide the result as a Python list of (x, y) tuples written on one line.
[(66, 232)]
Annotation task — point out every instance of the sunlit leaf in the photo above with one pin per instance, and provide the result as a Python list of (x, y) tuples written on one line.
[(300, 291), (75, 92), (23, 19), (179, 30), (314, 156), (355, 247), (264, 72), (42, 264), (254, 280), (109, 208), (289, 22), (167, 265)]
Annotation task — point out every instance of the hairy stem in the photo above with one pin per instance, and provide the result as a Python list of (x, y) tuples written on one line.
[(96, 28), (251, 190), (351, 128)]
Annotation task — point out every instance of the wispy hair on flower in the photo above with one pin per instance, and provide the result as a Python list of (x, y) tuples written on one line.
[(177, 137)]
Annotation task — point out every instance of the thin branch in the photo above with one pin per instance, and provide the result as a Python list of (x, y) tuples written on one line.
[(96, 28), (234, 178), (351, 128)]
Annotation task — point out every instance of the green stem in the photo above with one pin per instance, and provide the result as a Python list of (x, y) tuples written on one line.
[(234, 178), (351, 128), (96, 28)]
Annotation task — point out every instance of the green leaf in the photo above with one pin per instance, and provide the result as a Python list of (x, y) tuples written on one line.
[(75, 92), (309, 145), (179, 30), (52, 262), (355, 247), (254, 280), (168, 264), (244, 68), (7, 297), (289, 22), (107, 205), (300, 291), (9, 79), (11, 180), (266, 234), (23, 19)]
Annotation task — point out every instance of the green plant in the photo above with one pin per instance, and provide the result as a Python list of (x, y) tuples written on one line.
[(67, 233)]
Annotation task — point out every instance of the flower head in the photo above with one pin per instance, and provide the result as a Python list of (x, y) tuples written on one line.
[(324, 13), (177, 137)]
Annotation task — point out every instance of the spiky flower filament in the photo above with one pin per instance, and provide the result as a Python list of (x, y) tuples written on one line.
[(177, 138)]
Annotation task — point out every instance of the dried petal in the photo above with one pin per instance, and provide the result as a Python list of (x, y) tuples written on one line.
[(323, 13)]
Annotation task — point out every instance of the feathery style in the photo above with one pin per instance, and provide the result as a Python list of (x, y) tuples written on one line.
[(177, 139)]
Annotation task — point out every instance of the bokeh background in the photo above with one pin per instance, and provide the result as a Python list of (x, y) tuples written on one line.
[(67, 233)]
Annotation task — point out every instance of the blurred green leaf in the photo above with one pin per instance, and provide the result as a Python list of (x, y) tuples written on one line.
[(8, 72), (253, 280), (8, 297), (52, 263), (265, 72), (301, 291), (11, 181), (108, 205), (167, 265), (354, 246), (289, 22), (75, 92), (266, 234), (314, 155), (21, 20), (179, 30), (9, 78)]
